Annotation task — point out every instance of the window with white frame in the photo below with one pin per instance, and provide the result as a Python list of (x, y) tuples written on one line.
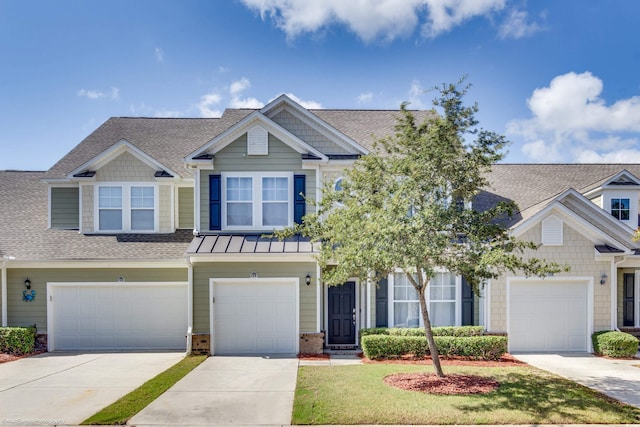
[(126, 208), (406, 306), (442, 299), (258, 200), (620, 208)]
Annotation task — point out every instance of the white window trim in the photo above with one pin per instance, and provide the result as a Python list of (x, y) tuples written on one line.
[(126, 207), (391, 300), (257, 199)]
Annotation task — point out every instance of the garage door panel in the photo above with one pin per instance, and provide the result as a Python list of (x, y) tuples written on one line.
[(255, 317), (548, 316), (119, 317)]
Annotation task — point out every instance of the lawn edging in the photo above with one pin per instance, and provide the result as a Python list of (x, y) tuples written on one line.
[(127, 406)]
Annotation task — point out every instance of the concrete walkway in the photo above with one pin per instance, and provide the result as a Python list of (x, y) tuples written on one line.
[(242, 390), (66, 388), (616, 378)]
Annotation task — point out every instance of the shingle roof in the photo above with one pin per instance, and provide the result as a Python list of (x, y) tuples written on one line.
[(24, 234)]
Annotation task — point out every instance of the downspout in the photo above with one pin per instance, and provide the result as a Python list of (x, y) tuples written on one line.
[(189, 305), (3, 293)]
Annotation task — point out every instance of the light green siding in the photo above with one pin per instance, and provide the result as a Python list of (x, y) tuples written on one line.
[(20, 313), (233, 158), (185, 207), (65, 209), (203, 272)]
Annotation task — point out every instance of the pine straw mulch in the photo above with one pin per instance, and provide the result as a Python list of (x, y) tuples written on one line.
[(452, 384), (6, 357)]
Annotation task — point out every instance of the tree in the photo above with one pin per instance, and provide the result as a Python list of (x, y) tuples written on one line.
[(406, 206)]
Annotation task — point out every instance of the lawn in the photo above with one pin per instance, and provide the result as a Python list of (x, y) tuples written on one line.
[(356, 394), (129, 405)]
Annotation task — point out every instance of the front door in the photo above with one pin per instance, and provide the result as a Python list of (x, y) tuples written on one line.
[(467, 303), (628, 298), (341, 304)]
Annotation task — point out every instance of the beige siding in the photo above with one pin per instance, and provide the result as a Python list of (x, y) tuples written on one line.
[(307, 133), (233, 158), (203, 272), (578, 253), (87, 208), (20, 313), (65, 211), (125, 168), (165, 209), (185, 207)]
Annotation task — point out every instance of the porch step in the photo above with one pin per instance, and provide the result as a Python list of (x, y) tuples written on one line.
[(342, 351)]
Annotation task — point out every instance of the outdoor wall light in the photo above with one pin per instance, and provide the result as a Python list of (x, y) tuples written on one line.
[(27, 283), (307, 280), (603, 278)]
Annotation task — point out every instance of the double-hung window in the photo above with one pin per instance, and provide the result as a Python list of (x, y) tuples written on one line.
[(257, 200), (126, 208), (442, 299), (406, 306)]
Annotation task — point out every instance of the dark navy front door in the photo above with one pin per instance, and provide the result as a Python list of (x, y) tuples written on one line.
[(342, 314)]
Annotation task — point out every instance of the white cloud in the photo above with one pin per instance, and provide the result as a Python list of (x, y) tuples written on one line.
[(236, 89), (207, 104), (311, 105), (517, 25), (365, 98), (159, 54), (415, 95), (98, 94), (239, 86), (372, 19), (576, 124)]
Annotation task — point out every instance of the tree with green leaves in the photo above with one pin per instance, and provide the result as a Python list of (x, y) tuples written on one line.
[(406, 206)]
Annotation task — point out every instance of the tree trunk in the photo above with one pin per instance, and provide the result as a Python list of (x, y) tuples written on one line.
[(433, 350)]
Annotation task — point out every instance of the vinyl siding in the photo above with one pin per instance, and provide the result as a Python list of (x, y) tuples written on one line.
[(65, 211), (20, 313), (125, 168), (202, 272), (165, 208), (185, 207), (308, 134), (233, 158), (578, 253)]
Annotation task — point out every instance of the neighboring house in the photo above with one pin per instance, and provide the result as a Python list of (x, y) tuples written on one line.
[(152, 230)]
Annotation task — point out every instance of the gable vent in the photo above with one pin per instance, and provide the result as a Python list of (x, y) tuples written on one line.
[(552, 231), (257, 141)]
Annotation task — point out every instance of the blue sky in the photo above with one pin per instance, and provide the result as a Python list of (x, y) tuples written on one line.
[(561, 79)]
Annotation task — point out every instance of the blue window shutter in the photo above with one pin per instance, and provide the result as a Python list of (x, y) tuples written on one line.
[(215, 202), (299, 203)]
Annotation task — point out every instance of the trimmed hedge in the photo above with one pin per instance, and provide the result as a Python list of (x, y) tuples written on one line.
[(448, 331), (486, 347), (614, 344), (17, 340)]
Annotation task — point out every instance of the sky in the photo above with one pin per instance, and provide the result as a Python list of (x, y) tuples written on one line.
[(560, 79)]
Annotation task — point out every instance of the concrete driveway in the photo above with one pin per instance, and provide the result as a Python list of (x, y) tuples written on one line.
[(616, 378), (247, 390), (67, 388)]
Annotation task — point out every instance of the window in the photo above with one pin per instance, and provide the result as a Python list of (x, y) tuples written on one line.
[(257, 201), (620, 209), (142, 208), (125, 208), (406, 307), (239, 201), (110, 208), (442, 299)]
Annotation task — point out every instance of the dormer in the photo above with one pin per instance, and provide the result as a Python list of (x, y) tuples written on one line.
[(620, 196)]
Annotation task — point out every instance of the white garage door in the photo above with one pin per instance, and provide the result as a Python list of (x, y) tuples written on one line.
[(127, 316), (548, 316), (255, 316)]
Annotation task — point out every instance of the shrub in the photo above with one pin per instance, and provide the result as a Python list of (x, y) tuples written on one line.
[(17, 340), (614, 344), (449, 331), (393, 346)]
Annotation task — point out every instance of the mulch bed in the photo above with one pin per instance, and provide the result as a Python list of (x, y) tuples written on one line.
[(5, 357), (313, 356), (504, 361), (449, 384)]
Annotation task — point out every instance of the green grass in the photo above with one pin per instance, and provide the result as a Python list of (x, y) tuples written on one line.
[(357, 395), (120, 411)]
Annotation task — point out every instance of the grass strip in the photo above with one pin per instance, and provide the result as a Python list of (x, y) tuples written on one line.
[(357, 395), (119, 412)]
